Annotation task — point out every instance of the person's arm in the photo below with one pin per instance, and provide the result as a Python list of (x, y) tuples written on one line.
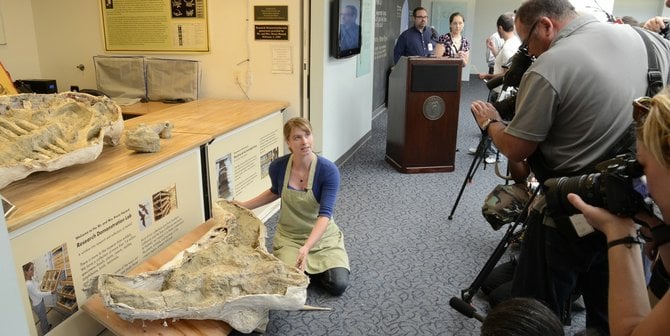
[(514, 148), (399, 48), (629, 309), (260, 200), (276, 170), (35, 292)]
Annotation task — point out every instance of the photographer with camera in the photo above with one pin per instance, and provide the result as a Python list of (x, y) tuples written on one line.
[(629, 309), (572, 111)]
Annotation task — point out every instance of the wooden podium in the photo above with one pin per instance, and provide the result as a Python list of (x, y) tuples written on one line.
[(423, 103)]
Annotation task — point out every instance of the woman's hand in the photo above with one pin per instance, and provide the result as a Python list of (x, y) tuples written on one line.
[(612, 226), (301, 261)]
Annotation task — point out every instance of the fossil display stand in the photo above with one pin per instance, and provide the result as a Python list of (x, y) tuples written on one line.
[(118, 326), (46, 199)]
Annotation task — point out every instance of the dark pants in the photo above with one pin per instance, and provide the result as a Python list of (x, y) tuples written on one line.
[(335, 280), (551, 267)]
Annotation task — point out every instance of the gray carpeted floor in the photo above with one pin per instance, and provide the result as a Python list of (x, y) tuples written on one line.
[(407, 258)]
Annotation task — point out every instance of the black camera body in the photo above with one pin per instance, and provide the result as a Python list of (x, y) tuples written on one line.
[(518, 64), (616, 186)]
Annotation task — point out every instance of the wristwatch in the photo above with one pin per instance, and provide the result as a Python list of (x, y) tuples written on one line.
[(487, 123)]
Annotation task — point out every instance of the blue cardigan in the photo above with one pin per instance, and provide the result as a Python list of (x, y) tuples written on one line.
[(325, 185)]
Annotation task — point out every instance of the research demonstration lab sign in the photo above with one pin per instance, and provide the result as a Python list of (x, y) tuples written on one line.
[(271, 32)]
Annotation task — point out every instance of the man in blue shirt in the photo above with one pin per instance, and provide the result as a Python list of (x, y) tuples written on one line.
[(417, 40)]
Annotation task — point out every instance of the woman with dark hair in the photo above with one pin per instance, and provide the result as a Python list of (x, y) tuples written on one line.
[(629, 309), (455, 44), (521, 317), (307, 236)]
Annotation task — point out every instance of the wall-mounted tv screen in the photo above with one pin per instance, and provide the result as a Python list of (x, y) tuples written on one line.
[(345, 30)]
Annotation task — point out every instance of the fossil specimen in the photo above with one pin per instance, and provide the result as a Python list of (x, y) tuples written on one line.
[(46, 132), (227, 275), (146, 138)]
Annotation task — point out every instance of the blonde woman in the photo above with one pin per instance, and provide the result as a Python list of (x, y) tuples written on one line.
[(629, 309), (307, 236)]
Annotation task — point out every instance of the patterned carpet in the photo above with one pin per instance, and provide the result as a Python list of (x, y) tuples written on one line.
[(407, 258)]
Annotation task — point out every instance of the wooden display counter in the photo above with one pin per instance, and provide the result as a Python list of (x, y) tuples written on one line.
[(116, 212), (118, 326), (139, 109), (42, 193), (209, 116)]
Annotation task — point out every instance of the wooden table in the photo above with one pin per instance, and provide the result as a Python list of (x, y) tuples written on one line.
[(139, 109), (210, 116), (42, 193), (114, 323)]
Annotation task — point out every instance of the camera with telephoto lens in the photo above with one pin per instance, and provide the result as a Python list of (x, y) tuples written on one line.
[(617, 186), (517, 66)]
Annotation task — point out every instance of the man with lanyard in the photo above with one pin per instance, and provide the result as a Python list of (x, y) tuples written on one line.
[(571, 113), (417, 40)]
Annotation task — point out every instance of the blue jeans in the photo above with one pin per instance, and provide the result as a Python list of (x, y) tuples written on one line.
[(552, 267), (41, 312)]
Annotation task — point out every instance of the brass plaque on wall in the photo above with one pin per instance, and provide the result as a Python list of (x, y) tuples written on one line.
[(271, 32), (271, 13)]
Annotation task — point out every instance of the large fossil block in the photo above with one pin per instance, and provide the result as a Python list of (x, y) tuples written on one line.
[(227, 275), (46, 132)]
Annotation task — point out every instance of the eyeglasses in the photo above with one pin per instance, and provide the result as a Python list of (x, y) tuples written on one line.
[(525, 45), (641, 108)]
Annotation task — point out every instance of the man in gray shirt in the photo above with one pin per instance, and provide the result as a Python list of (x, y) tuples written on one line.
[(574, 109)]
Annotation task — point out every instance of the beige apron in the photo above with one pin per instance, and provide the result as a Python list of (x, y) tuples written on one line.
[(299, 210)]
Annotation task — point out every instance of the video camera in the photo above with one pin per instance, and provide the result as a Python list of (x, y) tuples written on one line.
[(517, 66), (617, 187)]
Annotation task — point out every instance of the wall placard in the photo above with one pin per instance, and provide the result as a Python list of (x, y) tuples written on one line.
[(271, 32), (157, 25), (271, 13)]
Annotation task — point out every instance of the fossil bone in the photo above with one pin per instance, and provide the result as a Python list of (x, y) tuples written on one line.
[(227, 275), (146, 138), (46, 132)]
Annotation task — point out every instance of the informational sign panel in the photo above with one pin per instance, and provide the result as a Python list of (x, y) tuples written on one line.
[(155, 25), (239, 161), (109, 232)]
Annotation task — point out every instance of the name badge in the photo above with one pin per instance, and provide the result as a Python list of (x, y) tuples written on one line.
[(430, 47)]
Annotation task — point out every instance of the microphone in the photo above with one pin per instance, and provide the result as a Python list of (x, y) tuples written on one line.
[(433, 33), (465, 309)]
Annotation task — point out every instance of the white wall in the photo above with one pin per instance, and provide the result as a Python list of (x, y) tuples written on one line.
[(487, 12), (20, 54), (69, 32), (340, 102)]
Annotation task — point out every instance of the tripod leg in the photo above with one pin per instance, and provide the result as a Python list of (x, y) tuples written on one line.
[(510, 235), (482, 147)]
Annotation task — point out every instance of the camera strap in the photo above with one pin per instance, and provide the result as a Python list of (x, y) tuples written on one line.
[(654, 75)]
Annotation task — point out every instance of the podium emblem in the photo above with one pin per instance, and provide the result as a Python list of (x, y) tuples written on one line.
[(433, 108)]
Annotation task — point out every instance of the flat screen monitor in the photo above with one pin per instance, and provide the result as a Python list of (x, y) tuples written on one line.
[(345, 30)]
